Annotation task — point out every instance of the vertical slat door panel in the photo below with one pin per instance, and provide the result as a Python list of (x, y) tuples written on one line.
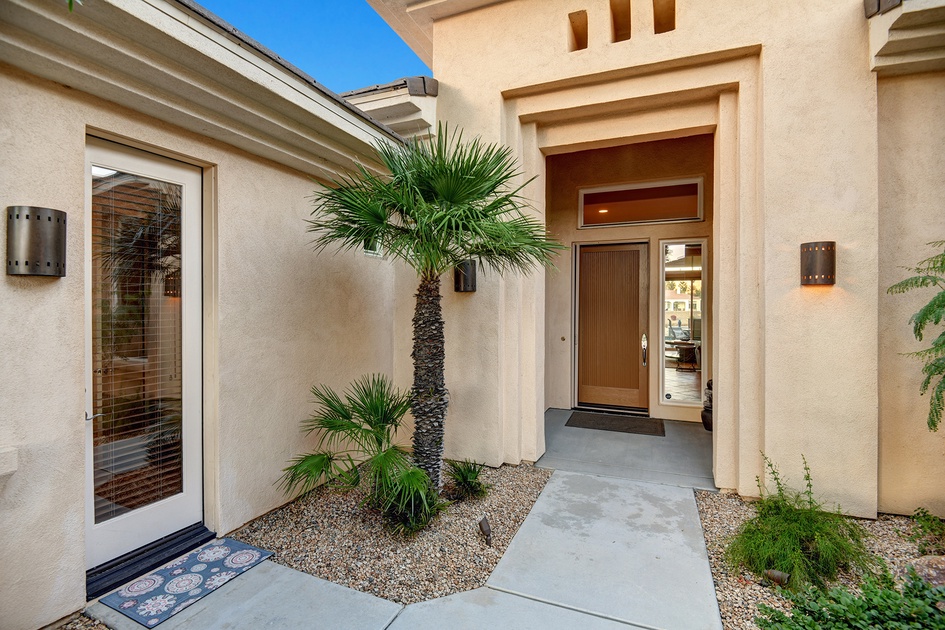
[(612, 317)]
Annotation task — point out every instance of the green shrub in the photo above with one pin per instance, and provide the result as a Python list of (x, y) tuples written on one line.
[(929, 532), (881, 605), (930, 273), (356, 434), (465, 478), (408, 501), (793, 534)]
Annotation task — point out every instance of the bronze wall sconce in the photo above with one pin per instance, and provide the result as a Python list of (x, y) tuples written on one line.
[(819, 263)]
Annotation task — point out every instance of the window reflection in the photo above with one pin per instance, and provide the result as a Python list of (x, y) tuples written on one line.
[(682, 322)]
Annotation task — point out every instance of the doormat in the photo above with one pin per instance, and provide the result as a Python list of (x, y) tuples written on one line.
[(160, 595), (612, 422)]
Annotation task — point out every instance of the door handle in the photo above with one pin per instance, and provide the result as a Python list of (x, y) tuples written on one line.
[(89, 418), (643, 343)]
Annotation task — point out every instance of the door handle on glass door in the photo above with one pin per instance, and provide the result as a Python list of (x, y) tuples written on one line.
[(89, 418), (643, 343)]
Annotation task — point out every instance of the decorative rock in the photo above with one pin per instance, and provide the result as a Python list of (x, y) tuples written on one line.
[(931, 569), (739, 592)]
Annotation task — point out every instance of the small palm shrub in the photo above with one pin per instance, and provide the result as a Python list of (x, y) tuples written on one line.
[(880, 605), (465, 478), (929, 532), (357, 434), (408, 500), (792, 533), (930, 274)]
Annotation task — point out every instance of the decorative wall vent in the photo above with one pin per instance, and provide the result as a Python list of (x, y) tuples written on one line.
[(664, 16), (620, 20), (578, 31)]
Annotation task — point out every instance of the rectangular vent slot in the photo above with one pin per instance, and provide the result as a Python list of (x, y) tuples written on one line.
[(578, 21), (620, 18), (664, 16)]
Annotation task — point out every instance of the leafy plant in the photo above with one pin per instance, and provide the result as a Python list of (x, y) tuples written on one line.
[(445, 201), (408, 500), (929, 532), (917, 605), (357, 433), (793, 534), (930, 273), (465, 478)]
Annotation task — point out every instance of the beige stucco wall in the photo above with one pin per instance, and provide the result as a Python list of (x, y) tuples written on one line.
[(281, 320), (911, 188), (788, 91), (565, 175)]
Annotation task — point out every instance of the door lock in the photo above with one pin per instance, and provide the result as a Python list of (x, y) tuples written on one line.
[(643, 343)]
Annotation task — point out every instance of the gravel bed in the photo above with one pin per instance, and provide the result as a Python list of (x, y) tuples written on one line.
[(84, 623), (329, 534), (739, 592)]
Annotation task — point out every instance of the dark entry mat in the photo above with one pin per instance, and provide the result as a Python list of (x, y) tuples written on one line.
[(612, 422)]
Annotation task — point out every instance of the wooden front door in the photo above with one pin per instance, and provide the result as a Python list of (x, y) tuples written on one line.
[(613, 285)]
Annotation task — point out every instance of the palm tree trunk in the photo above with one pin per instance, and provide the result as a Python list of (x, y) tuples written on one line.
[(430, 397)]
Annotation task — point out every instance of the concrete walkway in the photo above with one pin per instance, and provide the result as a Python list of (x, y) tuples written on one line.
[(683, 457), (594, 553)]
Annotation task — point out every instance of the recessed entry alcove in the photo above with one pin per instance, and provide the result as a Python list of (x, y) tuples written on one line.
[(612, 329)]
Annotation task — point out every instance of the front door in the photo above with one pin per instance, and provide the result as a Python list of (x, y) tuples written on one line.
[(143, 348), (613, 284)]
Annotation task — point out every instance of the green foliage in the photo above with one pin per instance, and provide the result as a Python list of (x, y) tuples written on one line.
[(929, 273), (793, 534), (929, 532), (881, 605), (445, 201), (408, 500), (356, 434), (465, 478)]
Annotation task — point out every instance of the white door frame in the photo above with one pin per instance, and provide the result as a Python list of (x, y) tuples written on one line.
[(127, 532)]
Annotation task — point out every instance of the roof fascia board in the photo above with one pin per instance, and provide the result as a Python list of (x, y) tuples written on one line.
[(163, 60), (413, 20)]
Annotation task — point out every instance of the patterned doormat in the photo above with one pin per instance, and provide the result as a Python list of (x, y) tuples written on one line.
[(160, 595), (613, 422)]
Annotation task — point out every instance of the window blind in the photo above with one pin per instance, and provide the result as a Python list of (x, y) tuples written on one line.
[(136, 341)]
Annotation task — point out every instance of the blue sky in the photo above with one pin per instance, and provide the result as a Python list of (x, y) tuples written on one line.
[(342, 44)]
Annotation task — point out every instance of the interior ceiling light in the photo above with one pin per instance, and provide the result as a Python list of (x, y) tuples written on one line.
[(603, 210)]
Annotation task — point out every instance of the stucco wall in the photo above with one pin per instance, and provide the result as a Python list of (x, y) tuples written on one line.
[(912, 213), (286, 319), (565, 175), (790, 90)]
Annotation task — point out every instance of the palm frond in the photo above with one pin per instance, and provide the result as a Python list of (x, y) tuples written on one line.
[(446, 200), (379, 406), (306, 472)]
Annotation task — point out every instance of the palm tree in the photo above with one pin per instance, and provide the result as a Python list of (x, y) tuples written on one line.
[(445, 201)]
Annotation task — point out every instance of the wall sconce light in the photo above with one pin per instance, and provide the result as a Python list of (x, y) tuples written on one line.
[(464, 277), (819, 263), (172, 284), (36, 241)]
